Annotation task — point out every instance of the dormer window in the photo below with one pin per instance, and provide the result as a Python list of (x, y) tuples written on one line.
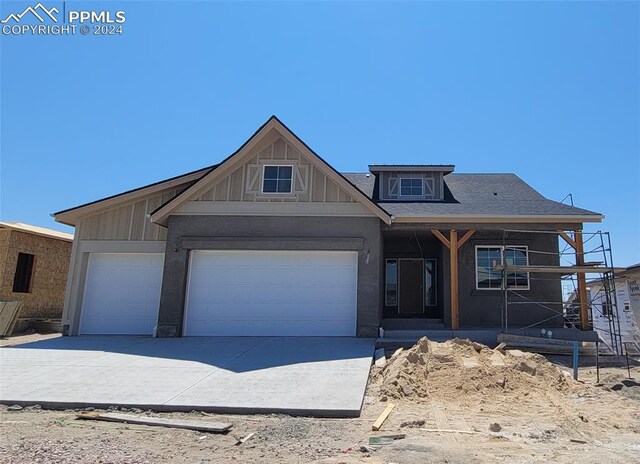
[(277, 179), (410, 182), (411, 187)]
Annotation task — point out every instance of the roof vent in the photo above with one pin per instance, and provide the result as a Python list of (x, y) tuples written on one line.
[(367, 175)]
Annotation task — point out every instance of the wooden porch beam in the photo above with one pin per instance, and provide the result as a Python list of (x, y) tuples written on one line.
[(466, 237), (453, 258), (441, 237), (568, 239), (582, 283)]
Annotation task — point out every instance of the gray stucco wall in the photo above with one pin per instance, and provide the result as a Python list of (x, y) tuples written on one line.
[(483, 308), (241, 232)]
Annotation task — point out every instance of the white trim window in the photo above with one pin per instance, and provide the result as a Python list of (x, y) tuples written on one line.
[(411, 187), (277, 179), (488, 256)]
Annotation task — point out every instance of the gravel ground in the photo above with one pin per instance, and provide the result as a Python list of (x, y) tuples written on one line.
[(598, 425)]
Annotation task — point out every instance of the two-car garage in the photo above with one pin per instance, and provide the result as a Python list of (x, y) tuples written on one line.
[(229, 293)]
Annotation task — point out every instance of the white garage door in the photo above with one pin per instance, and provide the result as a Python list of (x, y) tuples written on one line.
[(272, 293), (122, 293)]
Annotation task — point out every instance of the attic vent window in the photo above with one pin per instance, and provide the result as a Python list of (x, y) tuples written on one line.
[(277, 179), (411, 187)]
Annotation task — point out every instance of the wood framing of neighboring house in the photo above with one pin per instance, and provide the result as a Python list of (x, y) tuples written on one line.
[(34, 262)]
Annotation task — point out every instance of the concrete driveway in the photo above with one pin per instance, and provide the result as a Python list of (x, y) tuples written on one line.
[(314, 376)]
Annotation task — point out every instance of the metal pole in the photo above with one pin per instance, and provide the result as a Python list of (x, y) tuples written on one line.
[(575, 360), (626, 352), (615, 294), (506, 301), (597, 362)]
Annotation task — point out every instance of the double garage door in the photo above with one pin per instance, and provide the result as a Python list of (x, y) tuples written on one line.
[(229, 293)]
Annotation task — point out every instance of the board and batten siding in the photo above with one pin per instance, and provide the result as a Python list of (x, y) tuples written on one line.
[(432, 184), (128, 221), (244, 184)]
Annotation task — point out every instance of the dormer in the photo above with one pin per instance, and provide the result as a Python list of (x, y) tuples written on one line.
[(410, 182)]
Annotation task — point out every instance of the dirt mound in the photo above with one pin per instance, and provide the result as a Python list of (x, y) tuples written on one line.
[(458, 369)]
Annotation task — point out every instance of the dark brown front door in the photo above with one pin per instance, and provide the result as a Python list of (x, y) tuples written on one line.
[(411, 287)]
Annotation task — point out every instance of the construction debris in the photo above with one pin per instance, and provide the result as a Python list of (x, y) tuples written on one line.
[(470, 432), (577, 440), (413, 423), (9, 311), (495, 427), (382, 417), (212, 427), (385, 439), (460, 369), (548, 345), (241, 440)]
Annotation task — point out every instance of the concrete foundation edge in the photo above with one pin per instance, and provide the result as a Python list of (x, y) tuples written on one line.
[(57, 405)]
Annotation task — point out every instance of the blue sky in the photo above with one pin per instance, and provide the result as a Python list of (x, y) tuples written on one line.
[(550, 91)]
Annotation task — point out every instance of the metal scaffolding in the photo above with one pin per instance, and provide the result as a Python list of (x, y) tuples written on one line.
[(584, 254)]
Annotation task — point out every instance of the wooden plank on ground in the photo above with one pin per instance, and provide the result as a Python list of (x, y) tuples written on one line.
[(547, 345), (213, 427), (241, 440), (9, 311), (452, 431), (500, 346), (382, 417)]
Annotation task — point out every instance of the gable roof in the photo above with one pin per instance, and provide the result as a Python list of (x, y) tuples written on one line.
[(161, 214), (70, 216), (469, 197), (476, 197), (36, 230)]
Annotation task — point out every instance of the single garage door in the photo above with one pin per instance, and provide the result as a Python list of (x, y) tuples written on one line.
[(122, 293), (277, 293)]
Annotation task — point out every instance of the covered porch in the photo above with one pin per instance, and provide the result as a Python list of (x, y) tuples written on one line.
[(441, 280)]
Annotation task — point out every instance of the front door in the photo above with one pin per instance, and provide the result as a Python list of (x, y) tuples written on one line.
[(411, 287)]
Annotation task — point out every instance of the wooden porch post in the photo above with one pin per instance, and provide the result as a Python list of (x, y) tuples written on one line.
[(453, 245), (453, 258), (582, 283)]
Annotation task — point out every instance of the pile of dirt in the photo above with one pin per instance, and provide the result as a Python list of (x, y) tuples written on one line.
[(458, 369)]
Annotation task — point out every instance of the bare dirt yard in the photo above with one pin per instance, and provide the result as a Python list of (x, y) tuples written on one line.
[(455, 402)]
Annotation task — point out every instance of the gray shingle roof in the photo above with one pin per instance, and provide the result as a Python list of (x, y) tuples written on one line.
[(365, 182), (476, 194)]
